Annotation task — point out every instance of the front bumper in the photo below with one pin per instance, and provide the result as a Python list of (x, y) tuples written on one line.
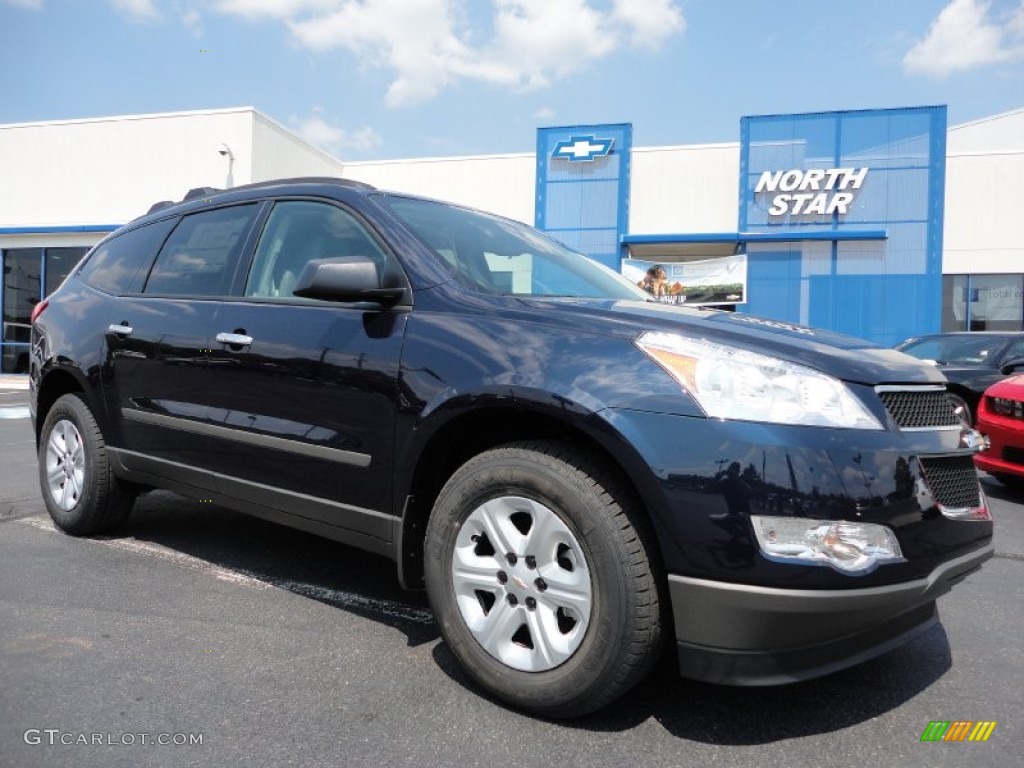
[(1005, 453), (740, 634)]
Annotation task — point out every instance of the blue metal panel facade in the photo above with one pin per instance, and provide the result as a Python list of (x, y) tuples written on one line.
[(583, 187), (884, 290)]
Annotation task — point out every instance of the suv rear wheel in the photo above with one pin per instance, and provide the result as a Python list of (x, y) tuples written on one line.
[(539, 577), (79, 488)]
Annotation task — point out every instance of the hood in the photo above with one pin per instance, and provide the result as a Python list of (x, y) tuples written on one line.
[(845, 357), (1011, 388)]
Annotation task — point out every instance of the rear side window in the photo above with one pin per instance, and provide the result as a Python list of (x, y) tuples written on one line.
[(120, 264), (199, 257)]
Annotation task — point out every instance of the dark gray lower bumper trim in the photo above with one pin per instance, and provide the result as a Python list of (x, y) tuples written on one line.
[(744, 634)]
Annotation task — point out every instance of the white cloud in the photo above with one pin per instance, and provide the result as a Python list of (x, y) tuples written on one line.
[(967, 35), (138, 9), (545, 114), (649, 22), (334, 139), (427, 45), (33, 5), (282, 9), (193, 22)]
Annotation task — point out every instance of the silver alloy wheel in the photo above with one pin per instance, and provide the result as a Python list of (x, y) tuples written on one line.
[(65, 464), (522, 583)]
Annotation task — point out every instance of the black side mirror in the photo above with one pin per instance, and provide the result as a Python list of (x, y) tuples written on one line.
[(1012, 366), (345, 278)]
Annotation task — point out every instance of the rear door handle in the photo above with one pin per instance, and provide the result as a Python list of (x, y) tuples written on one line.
[(120, 329), (234, 339)]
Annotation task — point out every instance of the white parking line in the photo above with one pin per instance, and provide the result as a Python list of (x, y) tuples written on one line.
[(13, 411), (243, 577)]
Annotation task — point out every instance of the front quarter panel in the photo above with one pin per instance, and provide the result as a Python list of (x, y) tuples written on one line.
[(451, 356)]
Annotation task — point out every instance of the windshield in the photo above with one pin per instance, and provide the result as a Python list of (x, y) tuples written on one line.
[(958, 350), (495, 255)]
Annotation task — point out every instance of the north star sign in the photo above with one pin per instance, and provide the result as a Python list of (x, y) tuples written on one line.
[(816, 191), (584, 148)]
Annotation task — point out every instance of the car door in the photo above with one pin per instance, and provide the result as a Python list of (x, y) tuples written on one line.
[(155, 379), (306, 392)]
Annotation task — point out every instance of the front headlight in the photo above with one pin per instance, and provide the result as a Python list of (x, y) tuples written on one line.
[(739, 384), (853, 548)]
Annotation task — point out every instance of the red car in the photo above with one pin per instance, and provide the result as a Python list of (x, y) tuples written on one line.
[(1001, 418)]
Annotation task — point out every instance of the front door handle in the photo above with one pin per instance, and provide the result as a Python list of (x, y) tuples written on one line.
[(235, 339), (120, 329)]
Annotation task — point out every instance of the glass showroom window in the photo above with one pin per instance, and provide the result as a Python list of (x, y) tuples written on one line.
[(983, 302), (22, 273), (25, 270)]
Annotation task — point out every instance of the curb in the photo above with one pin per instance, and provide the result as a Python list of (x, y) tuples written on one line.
[(11, 382)]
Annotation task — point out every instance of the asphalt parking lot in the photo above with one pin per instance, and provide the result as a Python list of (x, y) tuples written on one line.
[(277, 648)]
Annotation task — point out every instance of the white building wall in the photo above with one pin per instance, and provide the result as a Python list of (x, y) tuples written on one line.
[(684, 189), (501, 184), (984, 196), (52, 240), (277, 154), (109, 170), (993, 133), (673, 189)]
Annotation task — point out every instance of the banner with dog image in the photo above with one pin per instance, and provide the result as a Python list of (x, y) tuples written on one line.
[(694, 283)]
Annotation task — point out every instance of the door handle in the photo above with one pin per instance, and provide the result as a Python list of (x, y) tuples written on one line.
[(234, 339), (120, 329)]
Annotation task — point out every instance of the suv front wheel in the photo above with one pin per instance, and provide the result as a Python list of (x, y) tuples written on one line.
[(79, 488), (540, 580)]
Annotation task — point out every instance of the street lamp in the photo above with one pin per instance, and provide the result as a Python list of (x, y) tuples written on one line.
[(225, 151)]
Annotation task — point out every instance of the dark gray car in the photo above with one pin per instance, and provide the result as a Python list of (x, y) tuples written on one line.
[(971, 360)]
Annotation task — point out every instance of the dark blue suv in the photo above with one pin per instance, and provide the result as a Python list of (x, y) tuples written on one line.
[(574, 473)]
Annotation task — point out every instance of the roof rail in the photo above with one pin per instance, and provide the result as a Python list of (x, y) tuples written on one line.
[(159, 206), (309, 180), (200, 192), (197, 192)]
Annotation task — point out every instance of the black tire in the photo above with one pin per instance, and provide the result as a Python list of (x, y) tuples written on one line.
[(622, 635), (93, 501)]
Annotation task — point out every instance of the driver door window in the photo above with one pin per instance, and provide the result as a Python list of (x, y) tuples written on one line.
[(298, 232)]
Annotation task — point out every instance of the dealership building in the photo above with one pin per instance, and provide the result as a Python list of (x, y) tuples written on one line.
[(879, 223)]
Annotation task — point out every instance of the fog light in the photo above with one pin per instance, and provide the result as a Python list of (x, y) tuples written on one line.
[(853, 548)]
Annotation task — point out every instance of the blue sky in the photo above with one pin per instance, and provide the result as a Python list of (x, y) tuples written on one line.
[(379, 79)]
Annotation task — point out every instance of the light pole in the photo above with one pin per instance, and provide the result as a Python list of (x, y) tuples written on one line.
[(225, 151)]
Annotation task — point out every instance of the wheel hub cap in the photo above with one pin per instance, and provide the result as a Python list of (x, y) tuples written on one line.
[(65, 465), (522, 583)]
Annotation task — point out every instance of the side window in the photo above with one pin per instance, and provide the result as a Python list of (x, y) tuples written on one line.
[(299, 231), (1015, 351), (199, 257), (120, 264)]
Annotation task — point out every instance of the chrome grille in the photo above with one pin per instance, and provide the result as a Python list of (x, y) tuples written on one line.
[(953, 480), (919, 408)]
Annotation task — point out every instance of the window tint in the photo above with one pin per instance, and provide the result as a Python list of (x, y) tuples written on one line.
[(198, 258), (120, 264), (298, 232)]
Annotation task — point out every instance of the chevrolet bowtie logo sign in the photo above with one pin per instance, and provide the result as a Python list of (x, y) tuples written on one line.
[(584, 148)]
